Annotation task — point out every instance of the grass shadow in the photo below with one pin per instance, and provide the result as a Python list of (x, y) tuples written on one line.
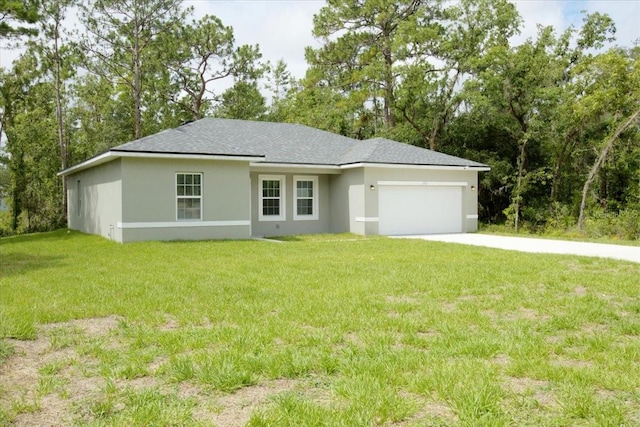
[(15, 263), (53, 236)]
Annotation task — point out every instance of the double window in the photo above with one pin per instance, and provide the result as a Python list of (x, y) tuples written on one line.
[(305, 198), (189, 196), (272, 191)]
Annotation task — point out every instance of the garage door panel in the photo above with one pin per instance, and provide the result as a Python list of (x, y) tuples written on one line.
[(419, 210)]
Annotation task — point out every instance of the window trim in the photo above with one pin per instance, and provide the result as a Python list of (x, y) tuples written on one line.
[(283, 198), (175, 186), (314, 198)]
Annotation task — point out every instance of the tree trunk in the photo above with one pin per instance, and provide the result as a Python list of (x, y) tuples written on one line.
[(389, 120), (425, 136), (557, 167), (521, 161), (137, 81), (599, 162), (59, 115)]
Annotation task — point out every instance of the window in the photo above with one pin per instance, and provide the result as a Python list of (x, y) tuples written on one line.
[(305, 205), (189, 196), (272, 198), (79, 198)]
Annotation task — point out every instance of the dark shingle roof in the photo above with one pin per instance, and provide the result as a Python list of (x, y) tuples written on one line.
[(284, 143)]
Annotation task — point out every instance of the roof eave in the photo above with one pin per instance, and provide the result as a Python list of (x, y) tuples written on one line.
[(115, 154), (479, 168), (94, 161)]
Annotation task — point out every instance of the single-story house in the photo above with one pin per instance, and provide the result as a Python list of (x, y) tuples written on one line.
[(237, 179)]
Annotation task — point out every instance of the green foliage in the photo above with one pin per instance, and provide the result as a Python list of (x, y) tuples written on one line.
[(201, 53), (242, 101), (15, 12), (122, 43), (624, 224)]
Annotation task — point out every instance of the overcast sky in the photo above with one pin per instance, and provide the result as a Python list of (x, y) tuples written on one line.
[(282, 28)]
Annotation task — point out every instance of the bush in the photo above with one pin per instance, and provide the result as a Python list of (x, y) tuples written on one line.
[(622, 225)]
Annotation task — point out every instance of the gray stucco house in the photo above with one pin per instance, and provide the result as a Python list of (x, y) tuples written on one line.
[(234, 179)]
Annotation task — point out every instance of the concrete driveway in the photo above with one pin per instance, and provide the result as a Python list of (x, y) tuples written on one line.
[(526, 244)]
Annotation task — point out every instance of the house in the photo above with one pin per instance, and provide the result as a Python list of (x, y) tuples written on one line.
[(234, 179)]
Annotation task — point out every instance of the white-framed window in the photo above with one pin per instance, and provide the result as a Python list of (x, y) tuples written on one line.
[(271, 196), (188, 196), (305, 198)]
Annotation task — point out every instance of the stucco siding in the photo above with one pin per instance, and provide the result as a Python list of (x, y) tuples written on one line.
[(150, 202), (290, 225), (95, 200), (377, 176), (348, 201)]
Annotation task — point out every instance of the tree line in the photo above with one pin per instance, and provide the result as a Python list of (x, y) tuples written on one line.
[(556, 116)]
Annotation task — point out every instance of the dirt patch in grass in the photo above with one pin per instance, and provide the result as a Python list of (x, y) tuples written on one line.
[(428, 334), (71, 389), (95, 326), (501, 360), (429, 411), (235, 409), (22, 375), (580, 291), (448, 307), (537, 389), (571, 363), (520, 314)]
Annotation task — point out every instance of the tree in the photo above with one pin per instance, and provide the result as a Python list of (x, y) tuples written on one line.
[(610, 92), (365, 42), (202, 53), (529, 83), (101, 116), (121, 43), (16, 12), (430, 91), (242, 101), (280, 82), (30, 128), (56, 59)]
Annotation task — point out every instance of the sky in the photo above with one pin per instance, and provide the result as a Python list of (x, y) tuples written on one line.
[(282, 28)]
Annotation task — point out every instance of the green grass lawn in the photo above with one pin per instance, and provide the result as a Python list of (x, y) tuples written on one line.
[(335, 331)]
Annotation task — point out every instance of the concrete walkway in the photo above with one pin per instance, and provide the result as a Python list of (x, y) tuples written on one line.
[(526, 244)]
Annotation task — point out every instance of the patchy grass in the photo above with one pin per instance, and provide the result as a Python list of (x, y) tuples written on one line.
[(324, 330)]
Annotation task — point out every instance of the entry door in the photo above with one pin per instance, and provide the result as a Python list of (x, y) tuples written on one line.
[(417, 209)]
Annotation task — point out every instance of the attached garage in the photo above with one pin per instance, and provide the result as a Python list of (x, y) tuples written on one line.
[(420, 208)]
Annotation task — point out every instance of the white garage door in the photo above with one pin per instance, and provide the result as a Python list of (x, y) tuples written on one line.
[(414, 209)]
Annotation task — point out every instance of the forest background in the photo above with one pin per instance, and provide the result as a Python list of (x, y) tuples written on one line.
[(555, 114)]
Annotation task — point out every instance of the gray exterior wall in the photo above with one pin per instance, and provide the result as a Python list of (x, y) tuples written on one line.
[(95, 200), (150, 205), (289, 225), (134, 198), (348, 201), (374, 175)]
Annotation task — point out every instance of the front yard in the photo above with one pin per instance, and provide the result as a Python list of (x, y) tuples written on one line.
[(315, 331)]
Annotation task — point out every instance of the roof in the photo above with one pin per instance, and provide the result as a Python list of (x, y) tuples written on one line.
[(281, 143)]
